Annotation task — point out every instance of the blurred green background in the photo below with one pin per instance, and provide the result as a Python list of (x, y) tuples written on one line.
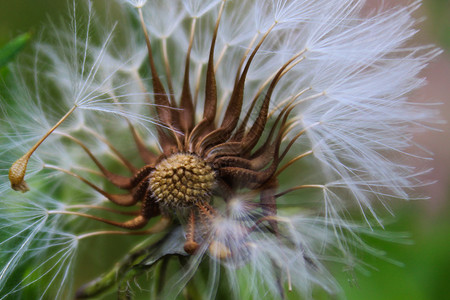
[(426, 271)]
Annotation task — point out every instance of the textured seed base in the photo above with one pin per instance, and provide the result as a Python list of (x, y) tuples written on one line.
[(182, 180)]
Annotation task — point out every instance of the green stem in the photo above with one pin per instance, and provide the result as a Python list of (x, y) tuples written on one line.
[(134, 264)]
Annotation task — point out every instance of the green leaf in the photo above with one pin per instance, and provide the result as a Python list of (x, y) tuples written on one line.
[(11, 49), (439, 11)]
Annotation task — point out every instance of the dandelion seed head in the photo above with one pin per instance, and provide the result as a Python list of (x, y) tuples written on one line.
[(207, 125)]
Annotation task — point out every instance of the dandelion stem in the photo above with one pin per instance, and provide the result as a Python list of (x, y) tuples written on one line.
[(190, 245), (135, 263), (311, 97), (141, 84), (291, 162), (198, 76), (120, 199), (19, 167), (187, 115), (158, 227), (119, 155), (289, 279), (87, 170), (261, 88), (289, 100), (167, 66), (160, 98), (305, 186), (119, 181), (78, 214), (221, 56), (135, 223), (126, 213), (244, 57), (291, 143)]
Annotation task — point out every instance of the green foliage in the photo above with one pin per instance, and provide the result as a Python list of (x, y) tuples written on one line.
[(11, 49), (439, 11)]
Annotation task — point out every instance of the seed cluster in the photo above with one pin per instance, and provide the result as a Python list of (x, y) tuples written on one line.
[(182, 180)]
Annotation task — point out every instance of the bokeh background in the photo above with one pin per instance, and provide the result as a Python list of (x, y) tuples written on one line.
[(425, 273)]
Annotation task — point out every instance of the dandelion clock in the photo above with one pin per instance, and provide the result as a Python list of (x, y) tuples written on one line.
[(222, 149)]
